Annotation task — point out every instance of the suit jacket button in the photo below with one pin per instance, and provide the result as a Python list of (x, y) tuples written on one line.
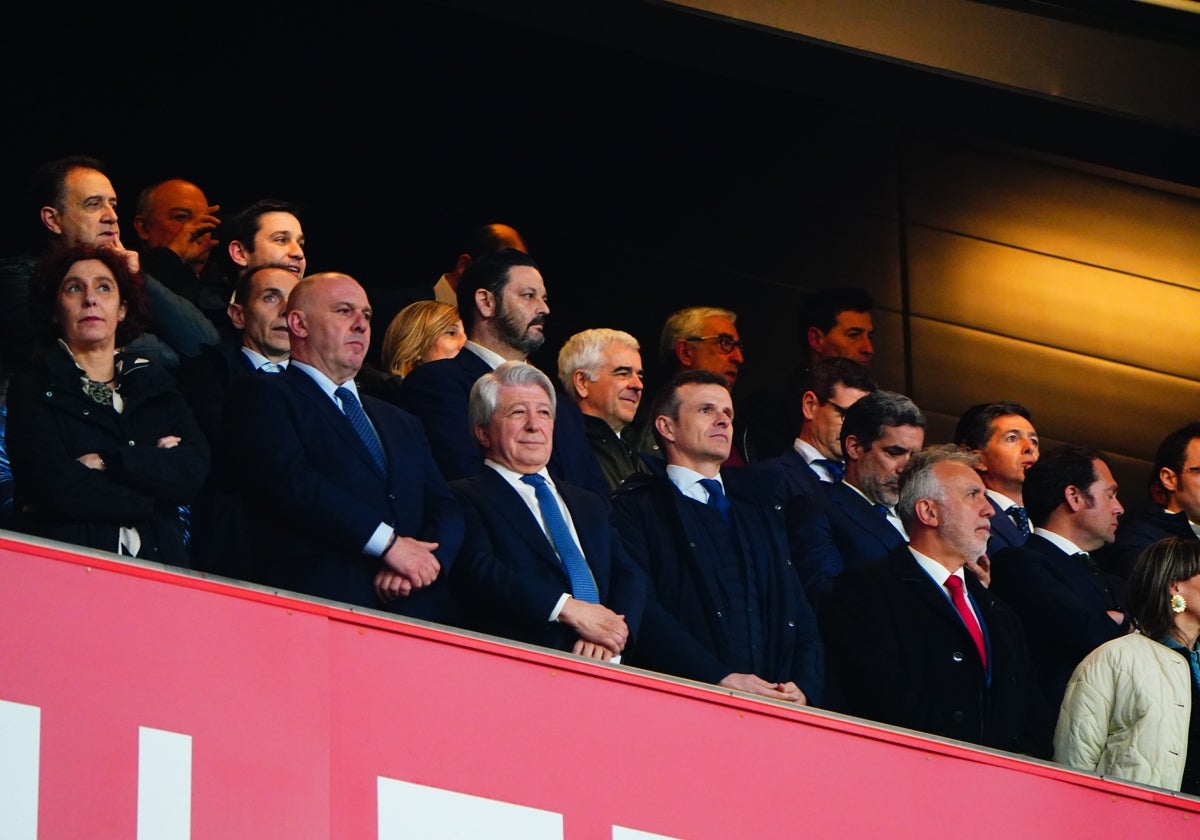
[(719, 615), (791, 624), (957, 656)]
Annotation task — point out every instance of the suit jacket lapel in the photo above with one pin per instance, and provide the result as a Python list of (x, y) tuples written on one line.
[(305, 386), (861, 511), (512, 507)]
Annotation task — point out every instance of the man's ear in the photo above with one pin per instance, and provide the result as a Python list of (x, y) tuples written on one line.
[(1168, 479), (485, 302), (809, 404), (926, 512), (481, 436), (1074, 498), (666, 427), (139, 227), (581, 382), (236, 315), (683, 352), (816, 337), (238, 253), (50, 220), (296, 324), (852, 448), (464, 260)]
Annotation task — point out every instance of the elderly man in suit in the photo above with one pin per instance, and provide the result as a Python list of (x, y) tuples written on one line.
[(1002, 435), (502, 301), (915, 642), (725, 606), (1052, 582), (356, 510), (542, 563), (857, 522)]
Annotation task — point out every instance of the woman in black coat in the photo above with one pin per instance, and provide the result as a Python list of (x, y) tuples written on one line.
[(104, 450)]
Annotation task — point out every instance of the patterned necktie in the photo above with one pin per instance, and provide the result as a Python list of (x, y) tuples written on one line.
[(955, 585), (1018, 513), (716, 496), (362, 426), (836, 470), (583, 585)]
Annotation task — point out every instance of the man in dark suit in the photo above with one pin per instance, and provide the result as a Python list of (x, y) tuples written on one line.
[(502, 301), (858, 522), (725, 606), (219, 540), (816, 455), (541, 563), (1175, 514), (1052, 582), (355, 509), (914, 641), (1002, 435)]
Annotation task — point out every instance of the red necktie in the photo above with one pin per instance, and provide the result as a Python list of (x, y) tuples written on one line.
[(955, 585)]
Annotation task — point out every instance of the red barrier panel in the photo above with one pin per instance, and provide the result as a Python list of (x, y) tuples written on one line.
[(143, 702)]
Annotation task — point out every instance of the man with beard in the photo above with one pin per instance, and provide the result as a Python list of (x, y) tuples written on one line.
[(502, 302), (857, 522), (913, 641)]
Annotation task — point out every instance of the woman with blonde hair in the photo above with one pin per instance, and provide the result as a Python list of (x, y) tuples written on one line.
[(421, 332), (1132, 707)]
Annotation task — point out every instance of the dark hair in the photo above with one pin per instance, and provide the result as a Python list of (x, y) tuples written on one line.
[(244, 224), (1147, 590), (667, 400), (826, 374), (245, 281), (821, 308), (488, 272), (48, 183), (974, 427), (1046, 482), (867, 417), (1173, 448), (48, 276)]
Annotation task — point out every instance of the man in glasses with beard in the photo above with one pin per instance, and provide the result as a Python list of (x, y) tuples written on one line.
[(503, 304)]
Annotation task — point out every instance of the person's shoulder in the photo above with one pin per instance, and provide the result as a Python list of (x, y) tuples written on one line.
[(755, 484)]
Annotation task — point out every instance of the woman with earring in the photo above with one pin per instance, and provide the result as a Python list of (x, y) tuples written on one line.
[(104, 450), (1132, 707)]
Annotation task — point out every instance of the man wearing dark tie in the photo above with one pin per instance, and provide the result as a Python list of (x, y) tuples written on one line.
[(857, 522), (541, 563), (219, 541), (356, 510), (502, 301), (816, 455), (913, 641), (1002, 435), (725, 606), (1052, 582)]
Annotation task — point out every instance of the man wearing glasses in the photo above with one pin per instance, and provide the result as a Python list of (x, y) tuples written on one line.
[(700, 338), (816, 455)]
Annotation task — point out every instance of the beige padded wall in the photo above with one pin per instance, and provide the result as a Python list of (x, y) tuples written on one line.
[(1076, 293)]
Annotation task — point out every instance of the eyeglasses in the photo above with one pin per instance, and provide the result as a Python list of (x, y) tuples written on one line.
[(841, 412), (725, 341)]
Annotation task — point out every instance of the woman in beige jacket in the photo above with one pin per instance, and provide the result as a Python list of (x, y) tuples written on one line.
[(1131, 708)]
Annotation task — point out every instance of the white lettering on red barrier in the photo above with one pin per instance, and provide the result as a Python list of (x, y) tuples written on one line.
[(20, 739), (411, 810), (164, 785)]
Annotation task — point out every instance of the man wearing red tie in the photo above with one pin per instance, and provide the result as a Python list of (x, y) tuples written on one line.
[(913, 641)]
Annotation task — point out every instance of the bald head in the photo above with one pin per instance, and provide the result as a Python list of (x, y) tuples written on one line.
[(329, 319)]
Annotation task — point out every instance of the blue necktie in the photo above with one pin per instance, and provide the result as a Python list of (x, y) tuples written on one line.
[(835, 469), (583, 585), (716, 496), (882, 508), (1018, 513), (362, 426)]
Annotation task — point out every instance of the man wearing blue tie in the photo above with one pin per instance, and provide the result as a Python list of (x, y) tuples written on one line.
[(541, 563), (1002, 435), (725, 606), (357, 510)]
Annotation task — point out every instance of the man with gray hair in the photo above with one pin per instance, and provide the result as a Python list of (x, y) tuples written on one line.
[(541, 563), (602, 370), (913, 641), (857, 521)]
